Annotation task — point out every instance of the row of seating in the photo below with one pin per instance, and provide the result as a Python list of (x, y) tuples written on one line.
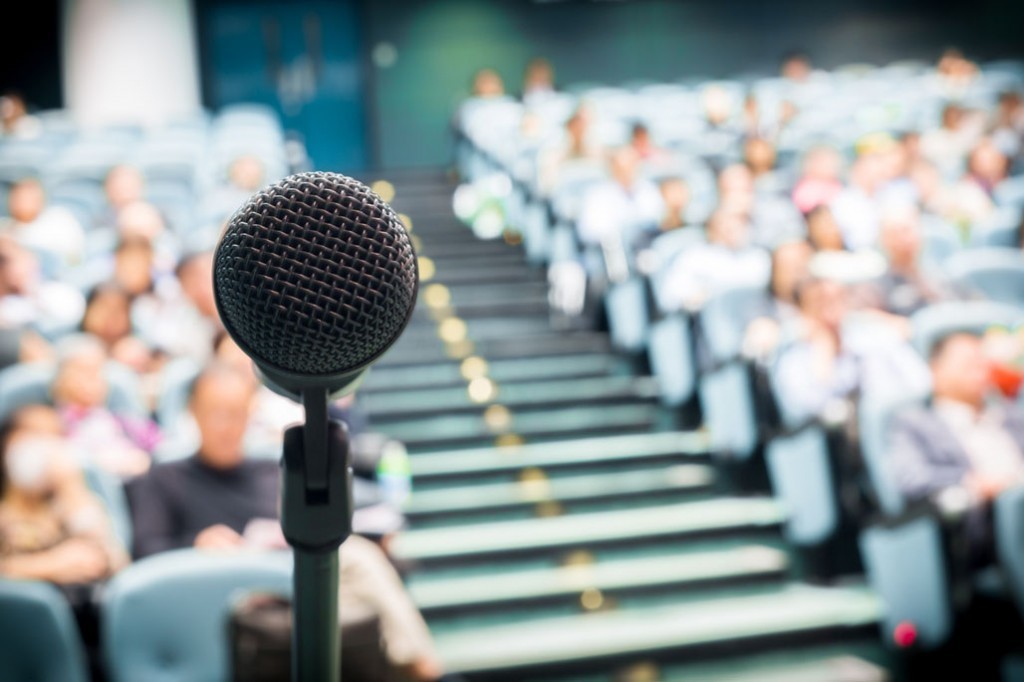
[(698, 355)]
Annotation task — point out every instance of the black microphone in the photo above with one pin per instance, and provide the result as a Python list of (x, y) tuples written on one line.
[(314, 278)]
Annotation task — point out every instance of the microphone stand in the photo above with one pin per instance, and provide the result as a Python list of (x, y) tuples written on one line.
[(316, 517)]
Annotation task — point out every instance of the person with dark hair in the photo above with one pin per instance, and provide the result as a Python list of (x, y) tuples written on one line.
[(795, 66), (963, 442)]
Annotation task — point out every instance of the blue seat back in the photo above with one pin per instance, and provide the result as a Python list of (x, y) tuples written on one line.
[(671, 354), (906, 566), (875, 415), (935, 321), (801, 478), (727, 403), (165, 618), (39, 640), (628, 316), (996, 273)]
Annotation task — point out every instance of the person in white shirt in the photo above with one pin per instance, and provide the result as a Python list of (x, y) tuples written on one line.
[(622, 208), (856, 208), (46, 229), (726, 260)]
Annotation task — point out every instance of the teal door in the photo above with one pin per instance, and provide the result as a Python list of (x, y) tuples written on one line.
[(302, 58)]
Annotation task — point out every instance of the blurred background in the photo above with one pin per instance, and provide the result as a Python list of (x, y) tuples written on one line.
[(715, 372)]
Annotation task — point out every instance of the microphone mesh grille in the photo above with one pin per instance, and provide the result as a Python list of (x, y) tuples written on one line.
[(315, 275)]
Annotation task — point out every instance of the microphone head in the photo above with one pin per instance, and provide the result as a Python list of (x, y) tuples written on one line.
[(314, 278)]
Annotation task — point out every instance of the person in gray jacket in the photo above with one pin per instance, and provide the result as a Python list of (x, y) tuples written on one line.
[(965, 442)]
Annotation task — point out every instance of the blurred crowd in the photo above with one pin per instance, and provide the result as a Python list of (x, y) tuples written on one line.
[(130, 423), (858, 230)]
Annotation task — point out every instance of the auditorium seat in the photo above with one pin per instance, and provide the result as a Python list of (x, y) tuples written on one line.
[(165, 617), (998, 274), (39, 640)]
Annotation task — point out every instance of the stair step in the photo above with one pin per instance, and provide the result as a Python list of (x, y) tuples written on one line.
[(492, 349), (524, 396), (469, 429), (507, 371), (637, 483), (474, 275), (675, 446), (480, 540), (589, 638), (646, 573)]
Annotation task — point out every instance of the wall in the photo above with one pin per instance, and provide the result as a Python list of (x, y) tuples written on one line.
[(129, 61), (439, 45)]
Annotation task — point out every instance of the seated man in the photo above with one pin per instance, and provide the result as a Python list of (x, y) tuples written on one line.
[(961, 440), (726, 260), (834, 352), (219, 500)]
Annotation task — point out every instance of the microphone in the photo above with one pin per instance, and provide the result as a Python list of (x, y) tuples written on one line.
[(315, 278)]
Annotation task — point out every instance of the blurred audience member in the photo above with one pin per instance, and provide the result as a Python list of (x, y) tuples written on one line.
[(51, 527), (906, 286), (955, 72), (26, 299), (819, 181), (675, 197), (15, 121), (789, 266), (856, 207), (948, 145), (961, 440), (183, 322), (823, 233), (123, 186), (624, 207), (643, 144), (835, 355), (577, 145), (726, 260), (759, 155), (45, 229), (796, 66), (118, 443), (1008, 124), (271, 413), (487, 84), (538, 80)]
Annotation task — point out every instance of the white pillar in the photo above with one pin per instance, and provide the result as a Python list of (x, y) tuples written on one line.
[(130, 61)]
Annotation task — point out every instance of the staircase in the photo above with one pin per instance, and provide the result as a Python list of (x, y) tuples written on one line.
[(562, 527)]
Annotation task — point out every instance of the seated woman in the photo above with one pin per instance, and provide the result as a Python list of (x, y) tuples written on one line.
[(51, 527), (118, 443)]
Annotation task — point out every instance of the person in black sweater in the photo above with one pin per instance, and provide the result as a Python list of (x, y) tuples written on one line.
[(218, 499), (209, 499)]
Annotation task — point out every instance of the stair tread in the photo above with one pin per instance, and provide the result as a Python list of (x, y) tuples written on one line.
[(514, 395), (560, 453), (471, 427), (584, 529), (480, 496), (790, 609), (694, 567)]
